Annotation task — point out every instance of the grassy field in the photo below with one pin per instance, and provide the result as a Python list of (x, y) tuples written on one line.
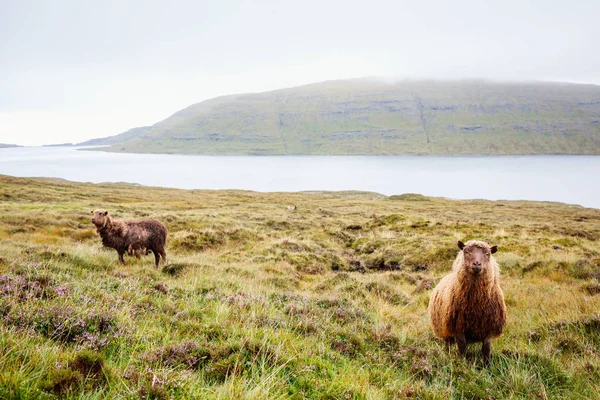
[(372, 117), (256, 301)]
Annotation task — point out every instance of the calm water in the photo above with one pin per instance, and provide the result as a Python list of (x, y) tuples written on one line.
[(569, 179)]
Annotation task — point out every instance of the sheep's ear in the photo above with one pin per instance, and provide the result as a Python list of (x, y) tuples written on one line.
[(461, 245), (494, 249), (105, 212), (91, 212)]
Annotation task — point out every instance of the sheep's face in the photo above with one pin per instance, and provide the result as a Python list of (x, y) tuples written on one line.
[(99, 218), (476, 256)]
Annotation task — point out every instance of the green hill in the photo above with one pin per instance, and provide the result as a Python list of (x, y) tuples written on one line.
[(367, 116)]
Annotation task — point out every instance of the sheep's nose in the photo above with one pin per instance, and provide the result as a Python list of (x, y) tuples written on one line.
[(477, 268)]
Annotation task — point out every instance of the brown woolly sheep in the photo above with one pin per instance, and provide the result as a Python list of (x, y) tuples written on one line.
[(132, 237), (468, 304)]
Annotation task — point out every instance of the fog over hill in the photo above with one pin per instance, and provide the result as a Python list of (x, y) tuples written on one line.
[(378, 117)]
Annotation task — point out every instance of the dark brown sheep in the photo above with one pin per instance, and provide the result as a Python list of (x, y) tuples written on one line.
[(468, 304), (132, 237)]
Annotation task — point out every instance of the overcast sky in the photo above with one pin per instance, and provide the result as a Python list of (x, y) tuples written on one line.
[(75, 70)]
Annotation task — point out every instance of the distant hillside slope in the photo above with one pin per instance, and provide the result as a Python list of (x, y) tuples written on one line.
[(365, 116), (5, 145)]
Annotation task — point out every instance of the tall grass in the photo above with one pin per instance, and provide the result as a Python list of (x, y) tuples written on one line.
[(328, 301)]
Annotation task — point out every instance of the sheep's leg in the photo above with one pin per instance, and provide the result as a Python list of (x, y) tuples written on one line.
[(156, 258), (121, 258), (486, 350), (449, 342), (461, 342), (163, 254)]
